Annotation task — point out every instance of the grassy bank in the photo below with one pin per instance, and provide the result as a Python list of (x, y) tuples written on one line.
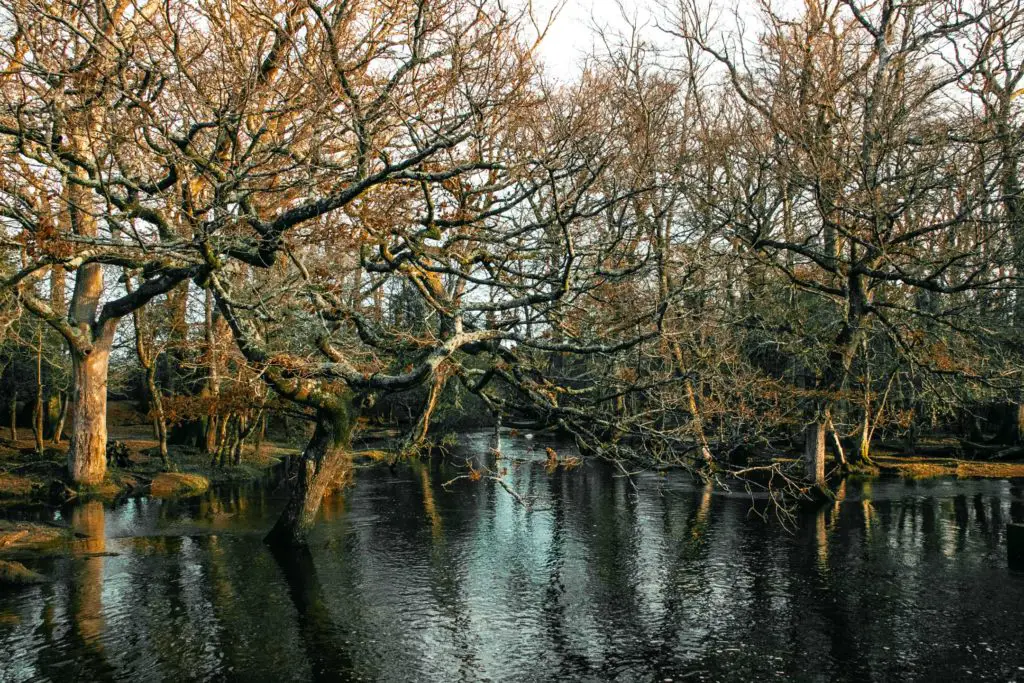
[(26, 475), (928, 467)]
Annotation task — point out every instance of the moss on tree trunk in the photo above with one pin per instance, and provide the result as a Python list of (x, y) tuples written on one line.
[(326, 457)]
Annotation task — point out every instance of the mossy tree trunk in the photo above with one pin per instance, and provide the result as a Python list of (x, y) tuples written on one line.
[(325, 459)]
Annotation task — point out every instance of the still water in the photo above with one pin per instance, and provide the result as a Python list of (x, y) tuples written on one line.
[(603, 579)]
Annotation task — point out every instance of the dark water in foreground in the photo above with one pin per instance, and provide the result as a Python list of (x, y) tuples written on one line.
[(408, 582)]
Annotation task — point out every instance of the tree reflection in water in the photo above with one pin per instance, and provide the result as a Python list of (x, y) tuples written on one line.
[(603, 578)]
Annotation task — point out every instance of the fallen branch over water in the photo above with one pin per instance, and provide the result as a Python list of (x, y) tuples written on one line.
[(477, 475)]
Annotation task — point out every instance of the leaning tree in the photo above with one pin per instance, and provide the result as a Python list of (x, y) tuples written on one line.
[(297, 160), (481, 201)]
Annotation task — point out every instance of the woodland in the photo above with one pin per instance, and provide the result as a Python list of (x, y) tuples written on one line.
[(764, 247)]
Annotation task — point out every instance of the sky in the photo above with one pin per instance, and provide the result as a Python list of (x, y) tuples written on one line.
[(571, 36)]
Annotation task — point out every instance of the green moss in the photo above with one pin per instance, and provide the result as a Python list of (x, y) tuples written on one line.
[(17, 574), (168, 484)]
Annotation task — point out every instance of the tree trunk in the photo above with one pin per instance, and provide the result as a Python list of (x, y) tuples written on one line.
[(1011, 432), (58, 429), (236, 448), (213, 428), (862, 454), (707, 459), (911, 438), (814, 453), (864, 446), (323, 462), (14, 416), (246, 428), (213, 378), (37, 425), (53, 406), (219, 454), (837, 449), (87, 454), (261, 434), (38, 413), (159, 417), (418, 434)]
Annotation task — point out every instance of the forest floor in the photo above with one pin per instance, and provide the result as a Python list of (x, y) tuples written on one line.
[(27, 475), (29, 479)]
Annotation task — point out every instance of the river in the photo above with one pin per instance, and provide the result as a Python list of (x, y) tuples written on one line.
[(603, 578)]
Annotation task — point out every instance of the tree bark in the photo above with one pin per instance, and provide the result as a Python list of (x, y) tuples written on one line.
[(58, 429), (864, 445), (246, 428), (814, 453), (159, 417), (213, 379), (220, 458), (87, 454), (37, 412), (261, 434), (149, 357), (707, 459), (325, 459), (418, 434), (14, 416)]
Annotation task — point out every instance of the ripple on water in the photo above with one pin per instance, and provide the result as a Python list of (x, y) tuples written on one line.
[(408, 581)]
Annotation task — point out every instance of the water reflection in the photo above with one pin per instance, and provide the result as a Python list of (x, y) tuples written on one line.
[(320, 637), (605, 578)]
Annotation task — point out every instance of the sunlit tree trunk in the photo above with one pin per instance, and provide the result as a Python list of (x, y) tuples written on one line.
[(58, 429), (246, 429), (159, 417), (213, 381), (814, 453), (417, 436), (87, 454), (864, 444), (325, 459)]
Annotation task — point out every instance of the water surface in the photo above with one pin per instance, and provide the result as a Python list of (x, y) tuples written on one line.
[(604, 578)]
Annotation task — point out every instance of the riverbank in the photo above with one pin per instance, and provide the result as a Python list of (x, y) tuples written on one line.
[(30, 480), (26, 475), (922, 467)]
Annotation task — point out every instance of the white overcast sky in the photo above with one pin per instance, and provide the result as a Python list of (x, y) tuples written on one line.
[(571, 36)]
